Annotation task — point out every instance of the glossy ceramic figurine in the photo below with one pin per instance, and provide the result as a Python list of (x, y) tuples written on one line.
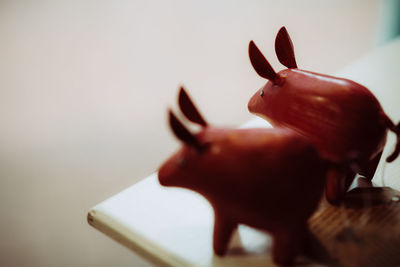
[(343, 119), (271, 179)]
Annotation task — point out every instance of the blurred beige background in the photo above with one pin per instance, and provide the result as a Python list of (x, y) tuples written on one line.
[(84, 87)]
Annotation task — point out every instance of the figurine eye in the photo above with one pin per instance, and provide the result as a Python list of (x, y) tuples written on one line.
[(182, 163), (261, 92)]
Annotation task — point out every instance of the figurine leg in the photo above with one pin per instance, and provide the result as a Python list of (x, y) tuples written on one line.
[(287, 245), (334, 187), (368, 170), (337, 184), (223, 229)]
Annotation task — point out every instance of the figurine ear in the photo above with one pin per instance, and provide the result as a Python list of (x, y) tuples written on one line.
[(189, 109), (183, 134), (261, 64), (284, 49)]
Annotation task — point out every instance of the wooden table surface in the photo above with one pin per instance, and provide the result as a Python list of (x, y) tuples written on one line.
[(173, 227)]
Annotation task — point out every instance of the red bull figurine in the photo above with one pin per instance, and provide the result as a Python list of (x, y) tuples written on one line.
[(268, 178), (342, 118)]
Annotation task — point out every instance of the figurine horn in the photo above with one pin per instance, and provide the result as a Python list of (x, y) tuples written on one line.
[(261, 64), (183, 134), (284, 49), (189, 109)]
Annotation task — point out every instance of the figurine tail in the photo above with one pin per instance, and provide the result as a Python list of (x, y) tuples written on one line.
[(396, 130)]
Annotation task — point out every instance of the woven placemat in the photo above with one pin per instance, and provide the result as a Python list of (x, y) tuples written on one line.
[(363, 231)]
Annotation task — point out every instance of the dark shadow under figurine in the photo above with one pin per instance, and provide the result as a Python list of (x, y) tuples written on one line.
[(364, 195)]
